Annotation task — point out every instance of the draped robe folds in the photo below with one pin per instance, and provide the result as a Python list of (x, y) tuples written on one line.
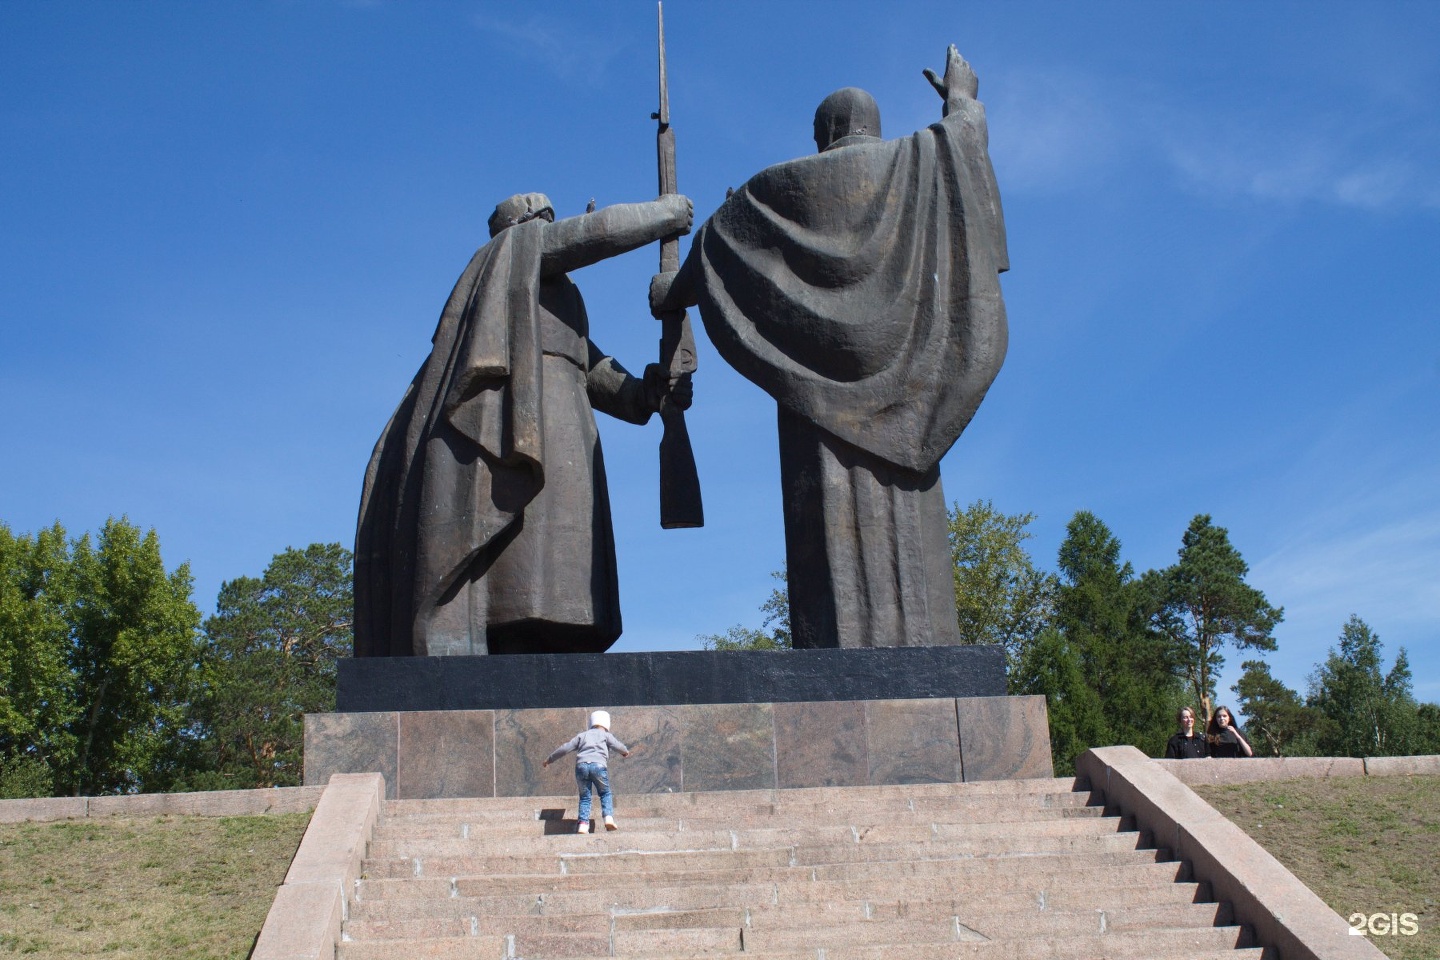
[(859, 287), (484, 521)]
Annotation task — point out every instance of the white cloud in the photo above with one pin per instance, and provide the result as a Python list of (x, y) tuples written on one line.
[(1294, 165), (1050, 130), (1053, 130), (1385, 571), (569, 48), (1372, 550)]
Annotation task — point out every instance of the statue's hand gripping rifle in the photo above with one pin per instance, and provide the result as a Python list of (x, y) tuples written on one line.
[(680, 504)]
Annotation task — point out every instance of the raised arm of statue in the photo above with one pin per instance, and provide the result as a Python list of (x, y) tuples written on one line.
[(577, 242), (959, 83)]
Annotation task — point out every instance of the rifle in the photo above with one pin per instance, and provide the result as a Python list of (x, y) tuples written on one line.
[(680, 504)]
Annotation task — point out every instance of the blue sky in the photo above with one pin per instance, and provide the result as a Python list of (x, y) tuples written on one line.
[(226, 231)]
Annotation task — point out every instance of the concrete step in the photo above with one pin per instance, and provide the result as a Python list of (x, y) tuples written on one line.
[(732, 804), (1009, 870), (438, 948), (1037, 872), (1079, 888), (1147, 945), (991, 918), (1029, 790), (483, 884), (528, 823), (768, 829), (883, 923), (825, 832), (615, 854), (1215, 943)]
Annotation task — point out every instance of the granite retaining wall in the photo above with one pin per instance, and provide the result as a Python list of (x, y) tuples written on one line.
[(689, 747)]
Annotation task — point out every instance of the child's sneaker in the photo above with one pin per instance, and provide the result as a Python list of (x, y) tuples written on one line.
[(584, 827), (610, 824)]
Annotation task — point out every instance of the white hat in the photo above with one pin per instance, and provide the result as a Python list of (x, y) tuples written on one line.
[(600, 718)]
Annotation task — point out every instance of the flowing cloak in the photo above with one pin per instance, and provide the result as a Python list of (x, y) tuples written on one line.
[(455, 532), (859, 287)]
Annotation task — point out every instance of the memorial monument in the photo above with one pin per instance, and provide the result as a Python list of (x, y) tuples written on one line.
[(485, 520), (860, 288)]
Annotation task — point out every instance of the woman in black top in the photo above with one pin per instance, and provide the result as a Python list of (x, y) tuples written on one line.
[(1224, 737), (1187, 744)]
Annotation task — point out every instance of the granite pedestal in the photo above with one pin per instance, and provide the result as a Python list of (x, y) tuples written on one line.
[(480, 726), (368, 684)]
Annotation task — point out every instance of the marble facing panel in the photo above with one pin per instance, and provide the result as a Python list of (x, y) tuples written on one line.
[(821, 744), (446, 753), (523, 739), (728, 746), (1004, 738), (351, 743), (653, 735), (912, 741)]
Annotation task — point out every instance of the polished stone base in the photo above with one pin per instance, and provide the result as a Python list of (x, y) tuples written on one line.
[(685, 677), (689, 747)]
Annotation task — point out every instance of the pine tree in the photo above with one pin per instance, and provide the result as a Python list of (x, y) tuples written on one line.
[(270, 658), (1278, 721), (1204, 604)]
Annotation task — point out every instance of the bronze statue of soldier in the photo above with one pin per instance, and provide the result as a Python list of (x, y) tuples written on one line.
[(485, 520)]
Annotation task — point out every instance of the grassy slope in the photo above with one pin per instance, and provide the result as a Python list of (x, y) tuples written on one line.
[(1364, 845), (182, 888)]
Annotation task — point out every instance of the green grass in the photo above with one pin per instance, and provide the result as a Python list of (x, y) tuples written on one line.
[(1365, 845), (182, 888)]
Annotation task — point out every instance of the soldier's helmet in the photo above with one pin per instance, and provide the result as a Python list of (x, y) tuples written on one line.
[(518, 209)]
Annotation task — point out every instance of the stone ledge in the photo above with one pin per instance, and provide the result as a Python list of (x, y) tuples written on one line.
[(1249, 769), (303, 923), (1285, 915), (305, 917), (1221, 772), (208, 803), (1403, 766)]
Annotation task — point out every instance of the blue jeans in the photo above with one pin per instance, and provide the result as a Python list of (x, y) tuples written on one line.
[(587, 774)]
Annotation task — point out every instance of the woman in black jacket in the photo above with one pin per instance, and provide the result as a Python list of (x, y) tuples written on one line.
[(1224, 737), (1187, 744)]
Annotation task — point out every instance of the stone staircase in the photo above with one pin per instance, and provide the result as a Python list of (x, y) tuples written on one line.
[(1021, 870)]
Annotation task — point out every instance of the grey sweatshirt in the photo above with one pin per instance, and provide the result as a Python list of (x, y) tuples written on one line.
[(594, 745)]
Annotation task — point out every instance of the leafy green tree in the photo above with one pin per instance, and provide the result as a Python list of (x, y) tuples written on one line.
[(1051, 667), (36, 706), (98, 650), (132, 659), (1204, 604), (1276, 718), (1366, 712), (774, 632), (1427, 728), (24, 776), (270, 658), (1000, 596)]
